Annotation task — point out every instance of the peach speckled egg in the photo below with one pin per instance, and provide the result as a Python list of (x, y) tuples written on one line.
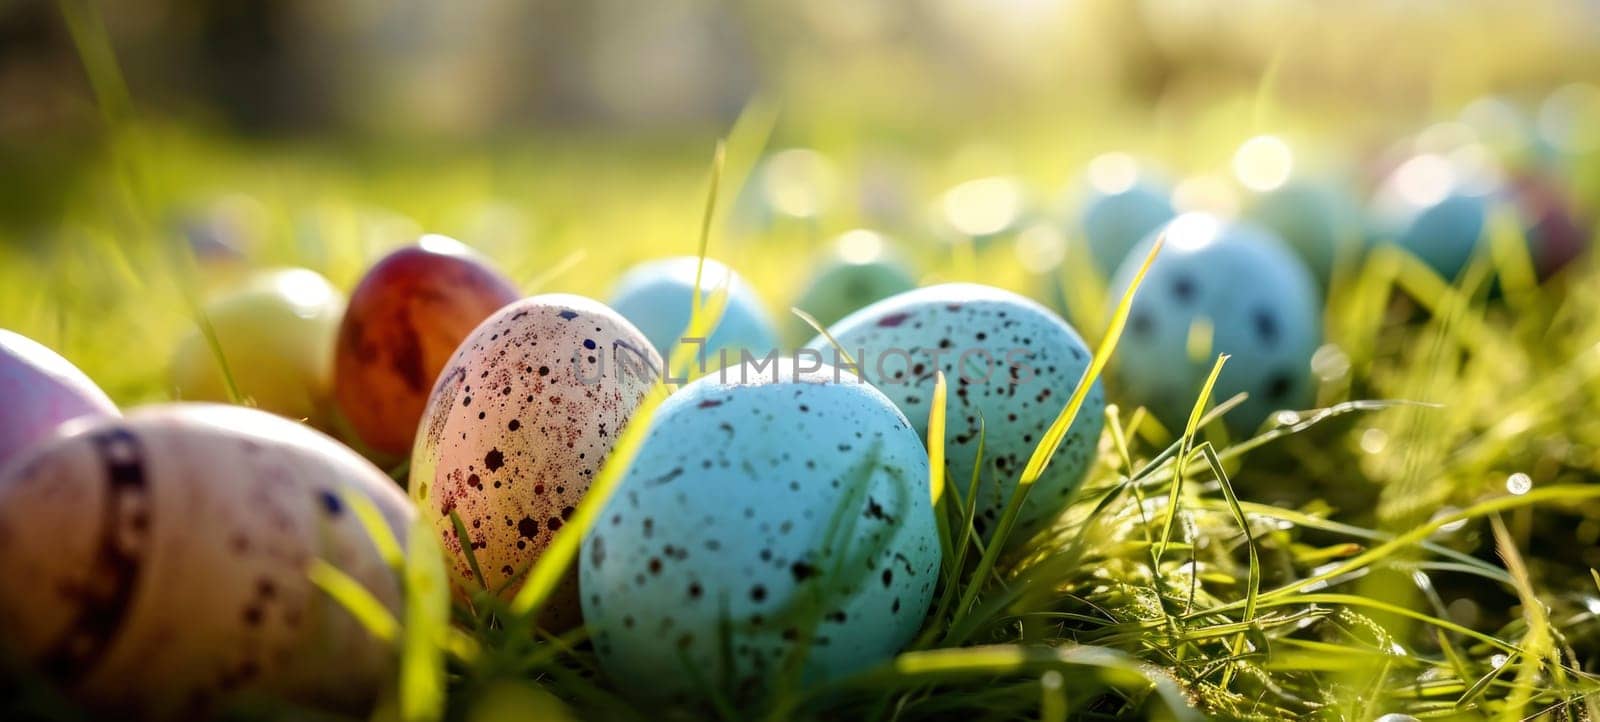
[(404, 320), (165, 562), (516, 428), (41, 390)]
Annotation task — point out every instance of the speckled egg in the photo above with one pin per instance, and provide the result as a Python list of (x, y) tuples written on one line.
[(165, 556), (277, 333), (1252, 294), (516, 427), (1011, 364), (1318, 219), (656, 297), (858, 272), (41, 390), (1120, 203), (1435, 209), (405, 318), (763, 502)]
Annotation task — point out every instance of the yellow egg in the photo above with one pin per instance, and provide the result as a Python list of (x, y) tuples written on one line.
[(159, 562), (277, 335), (518, 424)]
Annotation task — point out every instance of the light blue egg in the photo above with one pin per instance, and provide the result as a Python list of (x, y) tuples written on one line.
[(1436, 209), (1010, 365), (762, 503), (656, 296), (1260, 302), (1318, 219), (1119, 205)]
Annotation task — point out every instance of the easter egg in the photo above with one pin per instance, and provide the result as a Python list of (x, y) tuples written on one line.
[(404, 320), (1434, 210), (656, 296), (515, 429), (1218, 288), (856, 274), (1120, 203), (166, 554), (1317, 219), (1010, 365), (41, 390), (276, 334), (788, 510)]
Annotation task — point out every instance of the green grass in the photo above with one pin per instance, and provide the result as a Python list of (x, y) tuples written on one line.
[(1375, 556)]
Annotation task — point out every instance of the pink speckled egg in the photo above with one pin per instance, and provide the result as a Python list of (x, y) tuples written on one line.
[(518, 424), (158, 563), (41, 390)]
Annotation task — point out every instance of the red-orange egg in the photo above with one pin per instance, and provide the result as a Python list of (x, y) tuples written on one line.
[(405, 318)]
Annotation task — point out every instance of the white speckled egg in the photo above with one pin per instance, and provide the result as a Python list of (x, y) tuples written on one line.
[(165, 557), (1258, 301), (1011, 364), (656, 296), (518, 423), (41, 391), (723, 522)]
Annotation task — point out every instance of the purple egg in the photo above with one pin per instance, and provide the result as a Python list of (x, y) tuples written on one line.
[(42, 390)]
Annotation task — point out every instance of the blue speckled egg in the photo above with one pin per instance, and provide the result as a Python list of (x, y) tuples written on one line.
[(856, 274), (1011, 364), (762, 503), (1429, 207), (1318, 220), (1120, 204), (656, 296), (1259, 301)]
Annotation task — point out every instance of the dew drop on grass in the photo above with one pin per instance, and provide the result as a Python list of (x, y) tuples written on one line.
[(1519, 483), (1374, 440)]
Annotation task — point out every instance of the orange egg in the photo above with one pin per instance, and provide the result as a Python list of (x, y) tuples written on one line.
[(405, 318)]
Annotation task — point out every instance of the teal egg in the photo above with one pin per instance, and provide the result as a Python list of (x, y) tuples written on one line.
[(1010, 365), (1121, 202), (1257, 297), (656, 297), (1318, 219), (763, 502), (1430, 207), (842, 284)]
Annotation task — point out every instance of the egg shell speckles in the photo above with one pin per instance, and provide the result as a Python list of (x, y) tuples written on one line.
[(724, 517), (1036, 362), (656, 296), (517, 426), (409, 313), (1260, 302), (164, 559), (41, 390)]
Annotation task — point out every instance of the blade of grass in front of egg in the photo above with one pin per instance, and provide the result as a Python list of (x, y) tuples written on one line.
[(376, 527), (546, 573), (1539, 648), (1058, 430), (803, 612), (467, 549), (1185, 444), (704, 314), (355, 599), (936, 476), (1513, 262), (427, 625), (843, 354), (965, 513), (719, 158)]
